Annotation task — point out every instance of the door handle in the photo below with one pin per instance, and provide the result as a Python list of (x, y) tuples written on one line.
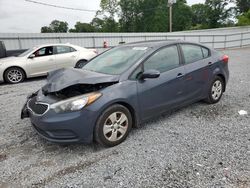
[(51, 59), (180, 75), (210, 64), (73, 56)]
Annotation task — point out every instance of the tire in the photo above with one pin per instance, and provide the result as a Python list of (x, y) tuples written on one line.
[(80, 64), (215, 90), (14, 75), (109, 130)]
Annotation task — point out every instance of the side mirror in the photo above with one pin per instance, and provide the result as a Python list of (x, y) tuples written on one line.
[(150, 74), (32, 56)]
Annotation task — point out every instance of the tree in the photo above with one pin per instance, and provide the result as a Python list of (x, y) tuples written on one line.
[(153, 16), (244, 19), (182, 16), (82, 27), (130, 15), (46, 29), (97, 24), (199, 17), (55, 26), (108, 12), (243, 5), (218, 13)]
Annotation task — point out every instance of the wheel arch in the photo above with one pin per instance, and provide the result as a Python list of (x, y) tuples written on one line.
[(224, 80), (135, 123), (134, 115)]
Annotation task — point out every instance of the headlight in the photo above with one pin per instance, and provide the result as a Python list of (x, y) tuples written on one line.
[(75, 103)]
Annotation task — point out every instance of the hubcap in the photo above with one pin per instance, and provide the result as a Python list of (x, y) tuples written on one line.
[(115, 126), (217, 90), (15, 76)]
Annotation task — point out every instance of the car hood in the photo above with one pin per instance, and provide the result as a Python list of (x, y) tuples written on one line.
[(8, 59), (63, 78)]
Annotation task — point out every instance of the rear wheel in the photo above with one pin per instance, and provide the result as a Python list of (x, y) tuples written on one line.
[(14, 75), (113, 126), (80, 64), (215, 90)]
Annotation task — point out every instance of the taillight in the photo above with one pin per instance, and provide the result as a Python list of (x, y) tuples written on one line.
[(225, 59)]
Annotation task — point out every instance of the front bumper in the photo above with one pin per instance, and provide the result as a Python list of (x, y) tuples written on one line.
[(73, 127), (1, 75)]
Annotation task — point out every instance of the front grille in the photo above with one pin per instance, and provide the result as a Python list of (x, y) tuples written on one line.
[(36, 107)]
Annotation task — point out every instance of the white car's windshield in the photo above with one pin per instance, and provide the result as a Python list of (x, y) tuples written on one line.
[(26, 52), (116, 61)]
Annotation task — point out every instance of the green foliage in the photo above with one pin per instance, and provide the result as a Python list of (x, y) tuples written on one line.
[(55, 26), (182, 16), (199, 18), (82, 27), (217, 12), (244, 19), (153, 16), (46, 29), (243, 5)]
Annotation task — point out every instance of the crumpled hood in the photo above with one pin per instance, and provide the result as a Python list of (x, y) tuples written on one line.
[(63, 78)]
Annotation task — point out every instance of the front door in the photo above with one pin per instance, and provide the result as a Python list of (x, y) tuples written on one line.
[(42, 62), (161, 94)]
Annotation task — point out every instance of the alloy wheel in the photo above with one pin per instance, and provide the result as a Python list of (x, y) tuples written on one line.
[(115, 126), (217, 90), (15, 76)]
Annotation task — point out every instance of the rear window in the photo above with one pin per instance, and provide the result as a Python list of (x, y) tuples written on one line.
[(193, 53), (206, 52)]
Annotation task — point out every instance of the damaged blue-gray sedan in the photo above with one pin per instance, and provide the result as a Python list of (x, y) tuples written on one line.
[(124, 87)]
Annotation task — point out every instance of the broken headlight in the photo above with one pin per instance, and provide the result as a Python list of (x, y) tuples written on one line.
[(75, 103)]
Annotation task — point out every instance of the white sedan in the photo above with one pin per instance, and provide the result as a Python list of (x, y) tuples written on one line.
[(40, 60)]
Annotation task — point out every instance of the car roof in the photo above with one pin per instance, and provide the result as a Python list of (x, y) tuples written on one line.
[(56, 44), (157, 43)]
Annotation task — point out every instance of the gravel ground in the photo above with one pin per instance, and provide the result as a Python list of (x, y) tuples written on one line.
[(198, 146)]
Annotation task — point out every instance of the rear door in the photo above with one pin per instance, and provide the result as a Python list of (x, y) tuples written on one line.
[(66, 56), (42, 62), (158, 95), (197, 70)]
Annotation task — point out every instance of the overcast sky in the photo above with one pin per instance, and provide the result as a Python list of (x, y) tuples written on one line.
[(20, 16)]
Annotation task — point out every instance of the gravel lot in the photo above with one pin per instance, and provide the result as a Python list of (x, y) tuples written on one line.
[(198, 146)]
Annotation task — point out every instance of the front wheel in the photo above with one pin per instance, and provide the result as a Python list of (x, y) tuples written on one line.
[(215, 90), (14, 75), (113, 126)]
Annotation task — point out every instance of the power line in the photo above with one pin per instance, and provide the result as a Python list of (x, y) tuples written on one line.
[(62, 7), (83, 10)]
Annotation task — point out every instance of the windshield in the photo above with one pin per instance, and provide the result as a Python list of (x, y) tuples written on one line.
[(26, 52), (116, 61)]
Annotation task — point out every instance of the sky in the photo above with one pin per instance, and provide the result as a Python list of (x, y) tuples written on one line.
[(20, 16)]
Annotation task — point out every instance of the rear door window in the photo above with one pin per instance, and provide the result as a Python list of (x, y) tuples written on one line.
[(64, 49), (192, 53), (164, 60)]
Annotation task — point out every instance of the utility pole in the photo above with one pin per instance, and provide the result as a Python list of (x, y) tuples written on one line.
[(170, 4), (170, 18)]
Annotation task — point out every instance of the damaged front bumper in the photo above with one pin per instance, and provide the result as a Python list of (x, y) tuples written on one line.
[(25, 111), (71, 127)]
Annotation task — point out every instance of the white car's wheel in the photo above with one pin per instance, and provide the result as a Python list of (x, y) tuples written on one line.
[(14, 75)]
